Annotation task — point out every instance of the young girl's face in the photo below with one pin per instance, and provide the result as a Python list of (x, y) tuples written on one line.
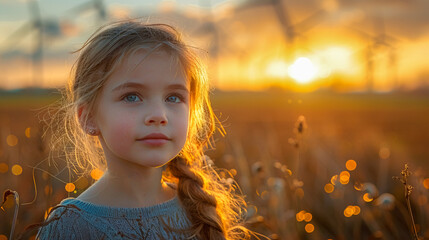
[(142, 112)]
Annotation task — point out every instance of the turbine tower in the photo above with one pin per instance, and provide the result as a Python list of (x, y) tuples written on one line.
[(377, 43), (291, 31)]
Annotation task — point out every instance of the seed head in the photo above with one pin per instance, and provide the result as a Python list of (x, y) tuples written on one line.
[(300, 125)]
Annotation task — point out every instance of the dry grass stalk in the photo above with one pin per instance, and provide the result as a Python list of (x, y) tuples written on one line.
[(6, 196), (300, 127), (405, 173)]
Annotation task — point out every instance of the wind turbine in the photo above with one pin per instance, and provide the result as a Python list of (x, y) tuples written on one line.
[(209, 28), (97, 5), (291, 31), (377, 43), (45, 29), (42, 28)]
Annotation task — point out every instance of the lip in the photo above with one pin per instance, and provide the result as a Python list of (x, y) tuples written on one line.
[(155, 136), (154, 139)]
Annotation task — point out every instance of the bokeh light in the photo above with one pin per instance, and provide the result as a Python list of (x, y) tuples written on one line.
[(308, 217), (274, 236), (329, 188), (358, 186), (348, 212), (96, 174), (3, 237), (371, 189), (379, 234), (48, 190), (45, 176), (300, 216), (384, 153), (351, 210), (334, 179), (351, 165), (286, 170), (367, 197), (16, 170), (11, 140), (426, 183), (299, 192), (70, 187), (3, 167), (344, 177), (309, 228), (356, 210), (28, 132)]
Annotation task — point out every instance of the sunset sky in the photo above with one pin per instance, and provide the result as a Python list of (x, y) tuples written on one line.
[(255, 44)]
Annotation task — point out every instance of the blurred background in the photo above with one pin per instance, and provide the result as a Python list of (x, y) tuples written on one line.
[(323, 103)]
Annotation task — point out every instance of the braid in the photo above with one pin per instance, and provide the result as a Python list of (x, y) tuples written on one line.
[(200, 205)]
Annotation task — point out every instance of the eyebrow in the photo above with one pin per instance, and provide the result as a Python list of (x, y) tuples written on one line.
[(142, 86)]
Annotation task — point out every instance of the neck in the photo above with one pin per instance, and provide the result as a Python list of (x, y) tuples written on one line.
[(137, 187)]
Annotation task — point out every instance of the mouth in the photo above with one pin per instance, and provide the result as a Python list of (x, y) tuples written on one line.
[(154, 139), (158, 136)]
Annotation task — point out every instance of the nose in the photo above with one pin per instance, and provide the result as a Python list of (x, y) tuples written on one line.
[(157, 116)]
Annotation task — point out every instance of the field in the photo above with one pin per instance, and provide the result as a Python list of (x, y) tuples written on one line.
[(287, 151)]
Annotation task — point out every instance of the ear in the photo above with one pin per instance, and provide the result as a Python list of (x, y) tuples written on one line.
[(87, 121)]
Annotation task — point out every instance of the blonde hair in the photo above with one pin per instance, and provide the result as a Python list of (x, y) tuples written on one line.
[(214, 209)]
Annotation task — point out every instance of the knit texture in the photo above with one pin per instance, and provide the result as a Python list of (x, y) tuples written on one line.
[(75, 219)]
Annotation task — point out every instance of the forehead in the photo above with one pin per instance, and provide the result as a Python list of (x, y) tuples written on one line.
[(149, 67)]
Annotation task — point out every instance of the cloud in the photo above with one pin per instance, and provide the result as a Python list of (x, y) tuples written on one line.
[(405, 19)]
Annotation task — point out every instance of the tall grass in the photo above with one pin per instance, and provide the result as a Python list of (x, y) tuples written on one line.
[(295, 171)]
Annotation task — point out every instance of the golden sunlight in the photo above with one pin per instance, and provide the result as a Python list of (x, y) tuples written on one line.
[(338, 59), (303, 70), (277, 68)]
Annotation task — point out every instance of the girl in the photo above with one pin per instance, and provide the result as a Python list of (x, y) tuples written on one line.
[(138, 107)]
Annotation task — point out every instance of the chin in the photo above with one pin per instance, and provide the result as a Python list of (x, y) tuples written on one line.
[(156, 164)]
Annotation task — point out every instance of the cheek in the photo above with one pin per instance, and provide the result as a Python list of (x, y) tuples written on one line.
[(118, 132), (183, 126)]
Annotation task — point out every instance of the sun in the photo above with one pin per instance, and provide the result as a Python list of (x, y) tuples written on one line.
[(302, 70)]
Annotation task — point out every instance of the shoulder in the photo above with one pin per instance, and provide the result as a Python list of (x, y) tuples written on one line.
[(65, 221)]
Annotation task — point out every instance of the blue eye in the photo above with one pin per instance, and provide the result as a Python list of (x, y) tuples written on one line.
[(132, 98), (174, 99)]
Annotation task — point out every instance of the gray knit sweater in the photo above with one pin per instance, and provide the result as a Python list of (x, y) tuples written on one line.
[(76, 219)]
